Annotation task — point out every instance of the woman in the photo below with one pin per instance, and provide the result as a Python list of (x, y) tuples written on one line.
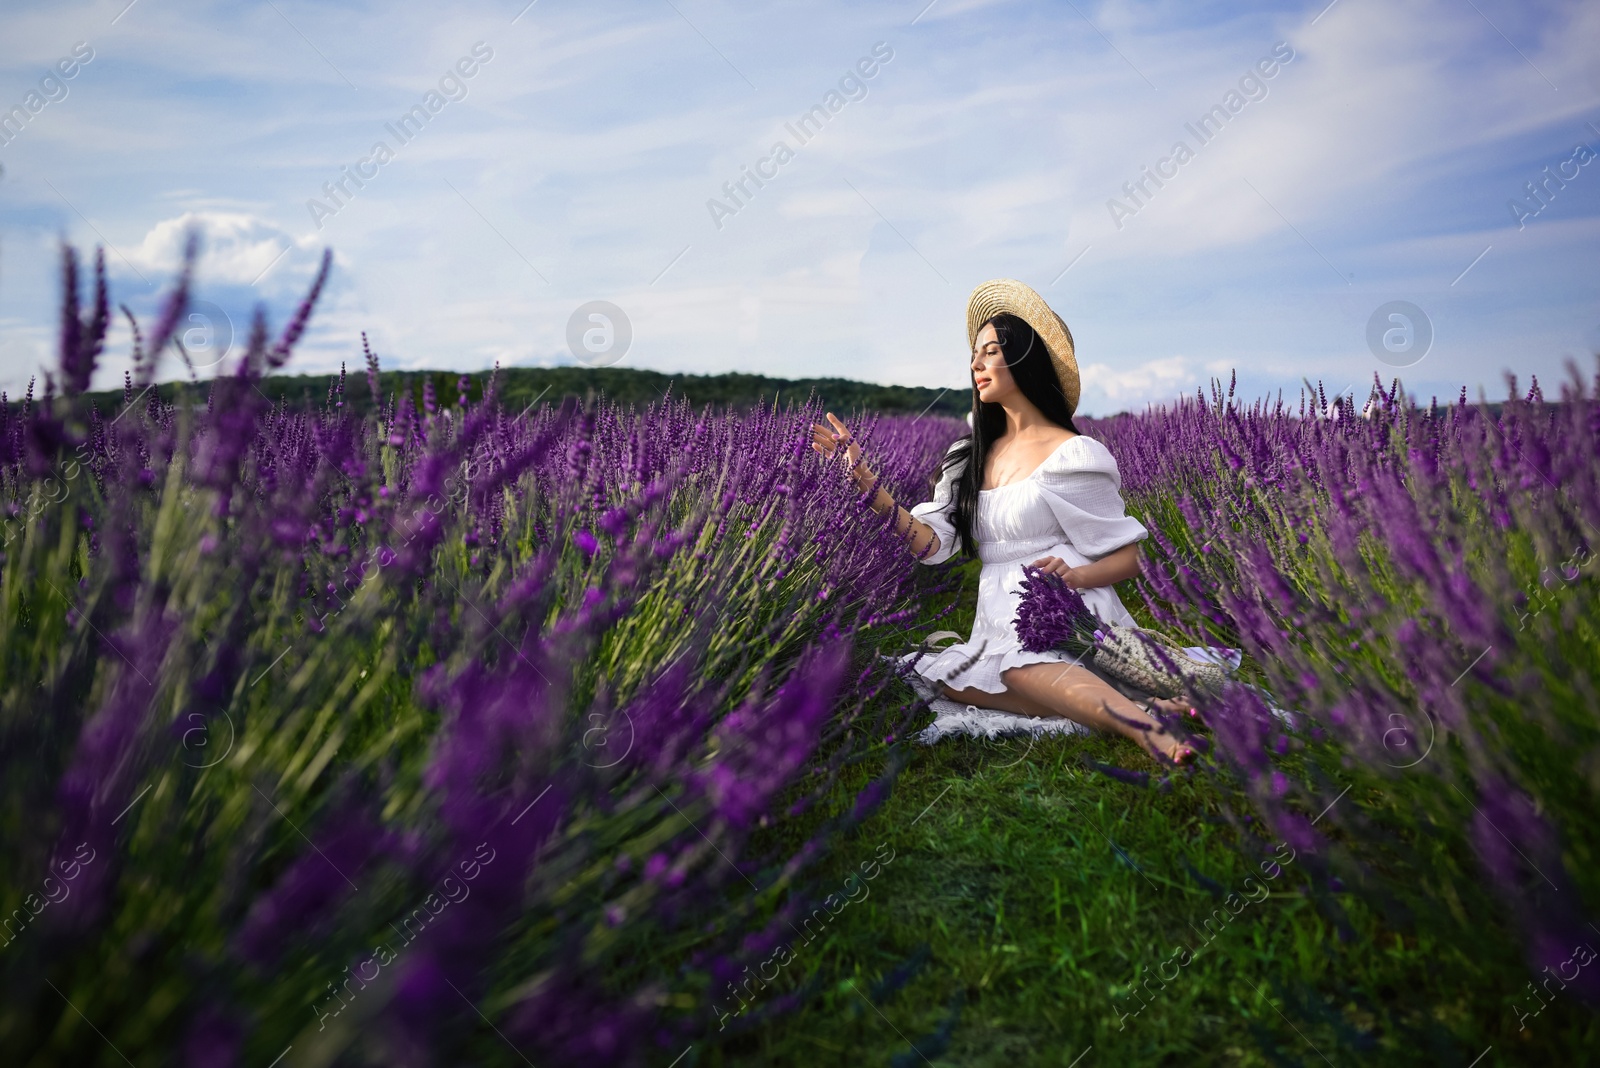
[(1025, 488)]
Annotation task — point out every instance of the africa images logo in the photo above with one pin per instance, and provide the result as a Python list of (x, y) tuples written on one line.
[(1204, 130), (52, 89), (452, 87), (853, 86)]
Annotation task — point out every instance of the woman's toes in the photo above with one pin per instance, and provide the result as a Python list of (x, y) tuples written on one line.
[(1163, 748)]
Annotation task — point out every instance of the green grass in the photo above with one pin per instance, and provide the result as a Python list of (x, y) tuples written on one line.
[(1028, 894), (1043, 890)]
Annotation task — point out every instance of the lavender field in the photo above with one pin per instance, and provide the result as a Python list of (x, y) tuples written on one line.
[(454, 734)]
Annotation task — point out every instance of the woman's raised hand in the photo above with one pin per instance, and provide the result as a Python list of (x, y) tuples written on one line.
[(828, 439)]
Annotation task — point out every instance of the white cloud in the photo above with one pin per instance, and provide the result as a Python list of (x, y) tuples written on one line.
[(236, 248), (1150, 382)]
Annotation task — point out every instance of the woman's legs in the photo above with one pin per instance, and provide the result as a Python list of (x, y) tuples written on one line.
[(1076, 693)]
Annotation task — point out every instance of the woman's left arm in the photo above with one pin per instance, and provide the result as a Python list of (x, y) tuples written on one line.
[(1123, 563)]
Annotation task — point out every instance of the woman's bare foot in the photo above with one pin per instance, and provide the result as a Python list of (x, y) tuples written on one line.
[(1163, 746), (1178, 706), (1165, 749)]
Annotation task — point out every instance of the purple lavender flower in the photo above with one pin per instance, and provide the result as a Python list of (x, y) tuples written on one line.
[(1052, 615)]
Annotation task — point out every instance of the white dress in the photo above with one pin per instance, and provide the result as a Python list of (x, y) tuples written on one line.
[(1071, 507)]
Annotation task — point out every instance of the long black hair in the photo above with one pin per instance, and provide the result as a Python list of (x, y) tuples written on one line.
[(1030, 365)]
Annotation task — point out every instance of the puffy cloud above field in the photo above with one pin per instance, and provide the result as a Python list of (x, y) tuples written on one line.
[(237, 248), (483, 170)]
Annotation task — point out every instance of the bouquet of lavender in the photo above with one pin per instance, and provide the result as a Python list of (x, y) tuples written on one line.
[(1052, 616)]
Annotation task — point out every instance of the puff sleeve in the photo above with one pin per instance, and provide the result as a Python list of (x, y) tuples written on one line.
[(1082, 486), (936, 513)]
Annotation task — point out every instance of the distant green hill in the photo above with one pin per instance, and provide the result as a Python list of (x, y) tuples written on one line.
[(520, 386)]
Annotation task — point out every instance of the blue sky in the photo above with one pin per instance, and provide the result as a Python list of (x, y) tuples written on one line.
[(1378, 163)]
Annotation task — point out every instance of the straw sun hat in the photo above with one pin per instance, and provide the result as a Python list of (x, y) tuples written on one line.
[(1010, 296)]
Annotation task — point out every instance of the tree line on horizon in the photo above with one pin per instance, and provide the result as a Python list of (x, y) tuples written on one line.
[(518, 387)]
